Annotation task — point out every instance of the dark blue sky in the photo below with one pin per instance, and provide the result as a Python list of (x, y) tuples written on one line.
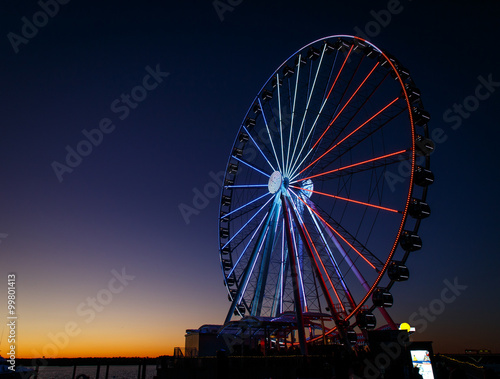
[(119, 207)]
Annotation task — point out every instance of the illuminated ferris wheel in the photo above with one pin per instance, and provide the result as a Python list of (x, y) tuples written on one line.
[(325, 188)]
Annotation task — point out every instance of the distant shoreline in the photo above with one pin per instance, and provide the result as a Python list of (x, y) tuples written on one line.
[(94, 361)]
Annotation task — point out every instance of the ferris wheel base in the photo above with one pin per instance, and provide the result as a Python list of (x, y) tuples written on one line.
[(220, 351), (279, 336)]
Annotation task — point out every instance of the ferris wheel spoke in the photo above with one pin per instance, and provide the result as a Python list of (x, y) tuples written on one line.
[(346, 59), (337, 318), (310, 243), (277, 305), (247, 273), (235, 265), (250, 270), (293, 108), (368, 164), (280, 121), (345, 105), (325, 95), (368, 257), (335, 265), (297, 166), (292, 253), (246, 224), (258, 147), (299, 268), (306, 110), (348, 200), (241, 208), (266, 257), (269, 134), (349, 135), (283, 270), (325, 100), (355, 270), (246, 186), (344, 149), (340, 248), (251, 166), (360, 107), (357, 246)]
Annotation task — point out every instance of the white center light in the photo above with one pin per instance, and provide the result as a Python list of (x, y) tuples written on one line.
[(274, 183)]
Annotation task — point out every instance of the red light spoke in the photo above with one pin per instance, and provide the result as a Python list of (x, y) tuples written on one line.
[(341, 68), (329, 92), (337, 233), (349, 135), (345, 105), (349, 200), (324, 268), (353, 165)]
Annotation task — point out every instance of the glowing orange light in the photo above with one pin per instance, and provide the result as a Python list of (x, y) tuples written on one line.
[(341, 68), (349, 200), (346, 104), (322, 265), (349, 135), (354, 165)]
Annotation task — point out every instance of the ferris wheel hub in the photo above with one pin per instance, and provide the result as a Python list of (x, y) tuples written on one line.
[(275, 181), (286, 182)]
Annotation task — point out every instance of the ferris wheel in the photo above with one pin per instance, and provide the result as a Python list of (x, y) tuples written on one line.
[(325, 188)]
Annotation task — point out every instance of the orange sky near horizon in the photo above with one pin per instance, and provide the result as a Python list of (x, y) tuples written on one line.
[(89, 320), (56, 323)]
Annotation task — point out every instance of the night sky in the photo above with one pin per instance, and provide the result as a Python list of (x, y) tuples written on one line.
[(109, 225)]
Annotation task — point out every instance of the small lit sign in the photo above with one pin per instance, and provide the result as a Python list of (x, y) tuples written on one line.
[(407, 327)]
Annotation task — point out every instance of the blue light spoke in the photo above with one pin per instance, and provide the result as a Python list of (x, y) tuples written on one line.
[(244, 226), (258, 148), (269, 133), (246, 247), (246, 186), (293, 112), (246, 205), (252, 167), (238, 301), (296, 166), (299, 268), (307, 108), (281, 123)]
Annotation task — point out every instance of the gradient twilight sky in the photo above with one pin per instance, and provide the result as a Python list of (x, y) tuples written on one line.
[(119, 208)]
